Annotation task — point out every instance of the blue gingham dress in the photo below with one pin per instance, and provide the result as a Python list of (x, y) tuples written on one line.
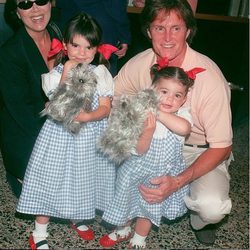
[(164, 157), (66, 177)]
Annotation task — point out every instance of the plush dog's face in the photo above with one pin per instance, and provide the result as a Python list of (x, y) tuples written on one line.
[(81, 80), (75, 94)]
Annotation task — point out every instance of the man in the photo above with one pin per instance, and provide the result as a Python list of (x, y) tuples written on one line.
[(170, 25)]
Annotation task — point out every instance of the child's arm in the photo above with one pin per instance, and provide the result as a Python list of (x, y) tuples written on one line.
[(175, 123), (145, 139), (101, 112)]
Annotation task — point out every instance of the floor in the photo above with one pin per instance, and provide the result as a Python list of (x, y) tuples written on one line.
[(233, 233)]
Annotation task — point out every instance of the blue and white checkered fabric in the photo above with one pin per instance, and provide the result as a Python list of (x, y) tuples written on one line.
[(66, 177), (163, 158), (59, 68)]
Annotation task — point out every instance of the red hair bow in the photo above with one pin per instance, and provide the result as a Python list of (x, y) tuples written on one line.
[(107, 50), (56, 47), (193, 72), (162, 63)]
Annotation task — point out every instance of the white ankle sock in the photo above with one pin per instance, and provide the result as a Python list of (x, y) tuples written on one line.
[(40, 233), (138, 240), (82, 227), (120, 231)]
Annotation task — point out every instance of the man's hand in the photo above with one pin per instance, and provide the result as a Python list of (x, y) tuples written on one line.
[(166, 186)]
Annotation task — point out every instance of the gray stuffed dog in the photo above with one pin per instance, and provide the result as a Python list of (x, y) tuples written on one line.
[(126, 124), (75, 94)]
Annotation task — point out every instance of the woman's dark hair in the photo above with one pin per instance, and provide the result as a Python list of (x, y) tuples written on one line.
[(171, 72), (84, 25), (10, 15), (182, 7)]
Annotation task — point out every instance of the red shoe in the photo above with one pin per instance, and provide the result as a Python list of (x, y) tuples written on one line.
[(86, 235), (105, 241), (33, 245)]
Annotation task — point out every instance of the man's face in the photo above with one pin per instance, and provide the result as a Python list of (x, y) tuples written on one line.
[(168, 33)]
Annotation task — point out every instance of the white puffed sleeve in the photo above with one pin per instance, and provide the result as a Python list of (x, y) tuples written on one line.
[(105, 82), (51, 80), (184, 112)]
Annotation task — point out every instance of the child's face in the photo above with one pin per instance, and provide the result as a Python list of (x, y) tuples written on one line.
[(80, 50), (172, 95)]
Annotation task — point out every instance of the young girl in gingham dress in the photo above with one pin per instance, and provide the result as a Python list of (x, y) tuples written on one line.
[(159, 152), (66, 177)]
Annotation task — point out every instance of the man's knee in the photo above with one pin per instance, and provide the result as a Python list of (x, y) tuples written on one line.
[(209, 209)]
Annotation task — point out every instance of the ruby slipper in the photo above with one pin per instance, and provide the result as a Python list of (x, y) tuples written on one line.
[(85, 235), (33, 245), (106, 241)]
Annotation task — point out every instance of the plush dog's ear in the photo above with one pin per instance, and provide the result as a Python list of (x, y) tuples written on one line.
[(79, 65)]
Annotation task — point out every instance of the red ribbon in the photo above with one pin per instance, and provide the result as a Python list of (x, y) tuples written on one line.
[(162, 63), (193, 72), (107, 50), (56, 47)]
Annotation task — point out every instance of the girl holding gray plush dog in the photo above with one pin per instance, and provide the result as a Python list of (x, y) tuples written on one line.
[(159, 150), (66, 177)]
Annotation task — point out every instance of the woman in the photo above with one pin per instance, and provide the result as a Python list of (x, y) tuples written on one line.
[(23, 58), (5, 30)]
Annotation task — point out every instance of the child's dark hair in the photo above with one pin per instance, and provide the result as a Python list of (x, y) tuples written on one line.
[(84, 25), (170, 72)]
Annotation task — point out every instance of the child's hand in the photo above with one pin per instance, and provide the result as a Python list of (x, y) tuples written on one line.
[(147, 134), (82, 117), (149, 126), (70, 64)]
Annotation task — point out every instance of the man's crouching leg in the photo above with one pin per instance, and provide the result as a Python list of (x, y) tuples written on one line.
[(209, 202)]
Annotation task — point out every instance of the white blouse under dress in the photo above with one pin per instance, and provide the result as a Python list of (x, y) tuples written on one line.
[(66, 177), (164, 157)]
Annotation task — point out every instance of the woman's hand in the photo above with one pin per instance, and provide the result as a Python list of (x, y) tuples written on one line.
[(122, 52), (139, 3), (166, 186), (46, 104)]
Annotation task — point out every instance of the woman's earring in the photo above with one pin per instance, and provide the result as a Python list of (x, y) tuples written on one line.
[(148, 33), (18, 15)]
